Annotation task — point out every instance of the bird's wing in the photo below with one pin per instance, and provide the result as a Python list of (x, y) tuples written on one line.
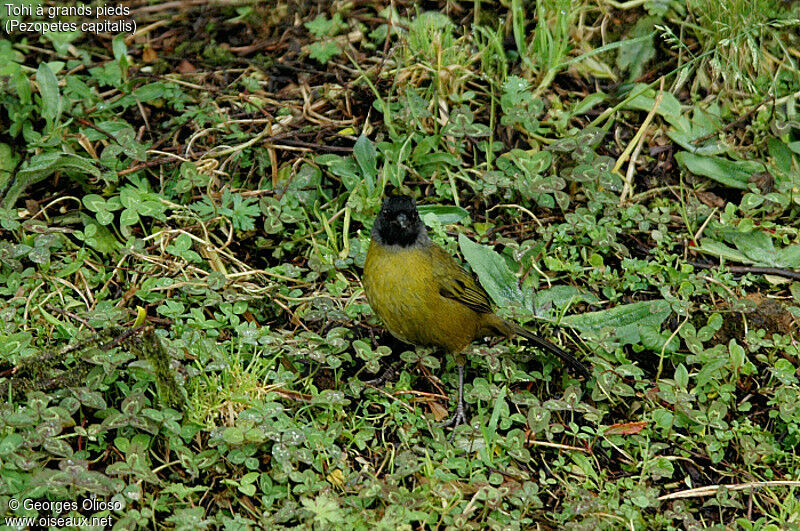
[(455, 283)]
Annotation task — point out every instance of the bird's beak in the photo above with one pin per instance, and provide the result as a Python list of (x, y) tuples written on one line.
[(402, 220)]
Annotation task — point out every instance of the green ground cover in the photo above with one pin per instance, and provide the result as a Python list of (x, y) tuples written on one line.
[(185, 213)]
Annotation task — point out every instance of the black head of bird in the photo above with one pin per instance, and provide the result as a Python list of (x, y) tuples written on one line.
[(398, 223)]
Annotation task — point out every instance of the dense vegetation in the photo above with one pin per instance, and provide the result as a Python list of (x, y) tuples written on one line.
[(185, 212)]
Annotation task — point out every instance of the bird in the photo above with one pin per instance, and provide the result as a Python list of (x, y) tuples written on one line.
[(424, 297)]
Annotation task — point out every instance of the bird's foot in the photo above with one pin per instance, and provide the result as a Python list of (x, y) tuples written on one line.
[(387, 375), (456, 419)]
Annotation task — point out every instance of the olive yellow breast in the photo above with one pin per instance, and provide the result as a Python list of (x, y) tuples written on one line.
[(403, 289)]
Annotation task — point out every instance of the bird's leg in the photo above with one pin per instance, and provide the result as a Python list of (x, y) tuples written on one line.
[(387, 375), (458, 417)]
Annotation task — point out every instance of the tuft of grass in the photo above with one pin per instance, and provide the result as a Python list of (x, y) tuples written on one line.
[(747, 45)]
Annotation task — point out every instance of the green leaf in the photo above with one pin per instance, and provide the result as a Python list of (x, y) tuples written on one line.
[(61, 40), (781, 153), (248, 489), (437, 158), (57, 447), (151, 91), (120, 50), (104, 217), (500, 406), (325, 509), (493, 272), (756, 245), (788, 257), (735, 174), (94, 202), (128, 217), (563, 297), (125, 136), (462, 124), (48, 89), (707, 245), (737, 354), (233, 435), (755, 248), (97, 236), (447, 214), (323, 51), (321, 26), (669, 109), (130, 198), (708, 371), (623, 321), (588, 103), (686, 139), (8, 161), (653, 339), (635, 54), (89, 398), (10, 442), (519, 107), (182, 243), (682, 376), (663, 418), (42, 166), (696, 133), (153, 208), (367, 158)]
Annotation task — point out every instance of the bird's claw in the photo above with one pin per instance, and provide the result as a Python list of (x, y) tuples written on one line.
[(387, 375), (456, 419)]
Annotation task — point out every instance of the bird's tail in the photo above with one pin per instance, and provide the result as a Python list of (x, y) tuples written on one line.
[(508, 328)]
